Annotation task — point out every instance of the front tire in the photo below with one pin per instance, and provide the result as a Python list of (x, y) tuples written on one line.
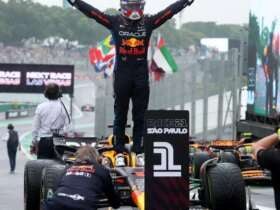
[(225, 188)]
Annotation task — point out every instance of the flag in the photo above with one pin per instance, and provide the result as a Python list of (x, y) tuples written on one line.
[(157, 73), (163, 58), (102, 57)]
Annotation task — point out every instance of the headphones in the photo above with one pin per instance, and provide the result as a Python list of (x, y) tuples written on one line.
[(52, 91)]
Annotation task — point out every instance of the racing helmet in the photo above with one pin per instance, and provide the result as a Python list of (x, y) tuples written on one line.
[(132, 9)]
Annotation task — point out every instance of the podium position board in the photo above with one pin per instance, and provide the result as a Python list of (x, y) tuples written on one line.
[(166, 160)]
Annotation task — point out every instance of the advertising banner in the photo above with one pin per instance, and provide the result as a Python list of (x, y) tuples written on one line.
[(30, 78), (251, 89), (166, 160), (264, 57)]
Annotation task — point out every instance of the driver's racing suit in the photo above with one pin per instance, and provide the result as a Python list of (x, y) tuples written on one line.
[(131, 76)]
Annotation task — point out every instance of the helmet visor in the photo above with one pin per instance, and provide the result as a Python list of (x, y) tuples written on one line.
[(133, 5)]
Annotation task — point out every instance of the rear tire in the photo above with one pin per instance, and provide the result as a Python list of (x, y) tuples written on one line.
[(225, 188), (198, 159), (32, 182), (228, 157), (50, 180)]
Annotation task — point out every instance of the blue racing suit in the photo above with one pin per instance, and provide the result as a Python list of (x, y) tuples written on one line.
[(131, 74)]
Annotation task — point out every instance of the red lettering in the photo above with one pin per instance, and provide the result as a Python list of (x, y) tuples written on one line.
[(132, 51)]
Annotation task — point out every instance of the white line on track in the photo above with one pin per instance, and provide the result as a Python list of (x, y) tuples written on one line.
[(78, 113), (264, 208), (27, 154), (257, 206)]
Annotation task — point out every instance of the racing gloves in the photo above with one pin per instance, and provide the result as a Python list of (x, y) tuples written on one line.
[(72, 2)]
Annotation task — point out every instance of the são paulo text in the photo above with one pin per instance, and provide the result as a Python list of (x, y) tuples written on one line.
[(167, 130)]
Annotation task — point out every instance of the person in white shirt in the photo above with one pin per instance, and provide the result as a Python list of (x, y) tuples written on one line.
[(50, 117)]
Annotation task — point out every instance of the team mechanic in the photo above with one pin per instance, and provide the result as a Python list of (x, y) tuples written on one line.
[(131, 31), (83, 184), (268, 157)]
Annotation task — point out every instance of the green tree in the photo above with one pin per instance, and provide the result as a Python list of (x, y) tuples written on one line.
[(23, 19)]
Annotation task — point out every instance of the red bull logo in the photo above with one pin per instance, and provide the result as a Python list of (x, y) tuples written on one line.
[(133, 42)]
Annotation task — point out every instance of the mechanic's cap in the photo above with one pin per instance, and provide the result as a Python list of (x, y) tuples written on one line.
[(87, 154)]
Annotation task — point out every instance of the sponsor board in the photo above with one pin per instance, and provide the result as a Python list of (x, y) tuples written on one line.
[(30, 78), (166, 160)]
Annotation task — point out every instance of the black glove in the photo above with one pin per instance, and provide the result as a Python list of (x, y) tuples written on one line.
[(189, 2), (72, 2)]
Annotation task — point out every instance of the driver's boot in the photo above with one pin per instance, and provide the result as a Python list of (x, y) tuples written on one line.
[(120, 160), (137, 160)]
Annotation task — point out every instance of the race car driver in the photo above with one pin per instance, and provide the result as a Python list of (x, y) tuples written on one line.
[(131, 31), (83, 184), (268, 156)]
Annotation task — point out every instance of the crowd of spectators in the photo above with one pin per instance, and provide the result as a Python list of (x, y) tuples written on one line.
[(40, 54)]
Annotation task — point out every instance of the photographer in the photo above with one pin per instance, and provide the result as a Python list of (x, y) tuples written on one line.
[(51, 117), (269, 157)]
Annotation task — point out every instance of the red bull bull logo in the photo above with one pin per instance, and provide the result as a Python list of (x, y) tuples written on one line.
[(133, 42)]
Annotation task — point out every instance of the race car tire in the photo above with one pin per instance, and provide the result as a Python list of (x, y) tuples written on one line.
[(51, 177), (228, 157), (32, 182), (198, 159), (225, 188)]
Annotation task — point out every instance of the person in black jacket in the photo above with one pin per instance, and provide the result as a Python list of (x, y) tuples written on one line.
[(267, 153), (83, 185), (131, 31), (12, 145)]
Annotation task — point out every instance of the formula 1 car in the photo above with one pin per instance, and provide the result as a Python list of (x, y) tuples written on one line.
[(220, 186), (242, 155), (41, 177), (229, 151), (87, 108)]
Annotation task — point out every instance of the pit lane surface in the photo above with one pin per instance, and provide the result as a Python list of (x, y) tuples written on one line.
[(11, 185)]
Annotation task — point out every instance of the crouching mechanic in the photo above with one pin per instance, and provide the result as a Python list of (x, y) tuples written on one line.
[(268, 156), (131, 31), (83, 185)]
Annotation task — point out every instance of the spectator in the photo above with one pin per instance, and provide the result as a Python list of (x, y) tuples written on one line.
[(268, 157), (12, 145)]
